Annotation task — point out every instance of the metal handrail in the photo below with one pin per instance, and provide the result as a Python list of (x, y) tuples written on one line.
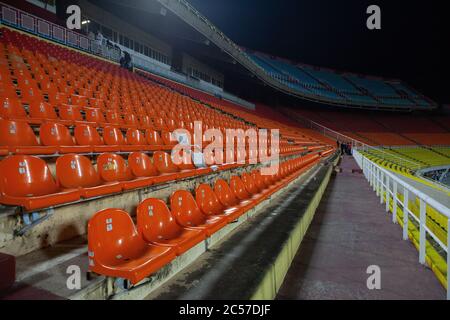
[(381, 180)]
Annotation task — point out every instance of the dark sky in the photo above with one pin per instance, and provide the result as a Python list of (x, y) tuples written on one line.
[(333, 33)]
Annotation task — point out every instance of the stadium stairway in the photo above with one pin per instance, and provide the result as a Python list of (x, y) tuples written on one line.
[(349, 234)]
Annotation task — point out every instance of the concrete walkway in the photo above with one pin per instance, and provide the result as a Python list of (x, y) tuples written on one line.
[(352, 231)]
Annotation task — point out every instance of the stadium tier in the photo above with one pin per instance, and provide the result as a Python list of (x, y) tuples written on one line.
[(149, 176), (342, 88), (381, 129)]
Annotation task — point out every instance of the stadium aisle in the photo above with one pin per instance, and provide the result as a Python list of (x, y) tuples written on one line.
[(350, 232)]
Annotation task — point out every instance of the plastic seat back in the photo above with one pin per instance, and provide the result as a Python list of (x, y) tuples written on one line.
[(238, 188), (249, 182), (11, 109), (208, 201), (113, 238), (145, 121), (131, 120), (55, 134), (18, 133), (153, 138), (113, 136), (259, 180), (168, 138), (155, 221), (85, 135), (225, 194), (141, 165), (26, 176), (185, 209), (42, 110), (113, 117), (94, 115), (112, 167), (163, 162), (135, 137), (71, 113), (75, 171)]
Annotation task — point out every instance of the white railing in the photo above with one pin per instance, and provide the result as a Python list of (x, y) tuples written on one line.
[(27, 22), (384, 182)]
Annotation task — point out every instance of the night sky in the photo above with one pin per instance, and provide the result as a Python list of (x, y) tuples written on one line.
[(333, 33)]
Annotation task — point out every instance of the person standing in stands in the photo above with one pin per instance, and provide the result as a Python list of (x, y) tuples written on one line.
[(343, 147), (349, 148), (127, 62), (99, 38)]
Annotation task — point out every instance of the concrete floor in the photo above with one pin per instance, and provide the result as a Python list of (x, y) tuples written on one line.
[(350, 232)]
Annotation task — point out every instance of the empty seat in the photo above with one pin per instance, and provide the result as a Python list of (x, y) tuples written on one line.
[(18, 137), (117, 250), (210, 204), (186, 212), (208, 201), (168, 138), (154, 140), (58, 135), (27, 181), (225, 194), (86, 135), (42, 111), (259, 180), (112, 136), (77, 172), (113, 117), (164, 164), (136, 141), (249, 183), (142, 167), (95, 115), (238, 188), (70, 114), (113, 168), (157, 225), (11, 109)]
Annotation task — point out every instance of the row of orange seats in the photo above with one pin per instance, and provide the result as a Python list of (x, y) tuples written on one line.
[(117, 248), (18, 137), (71, 114), (27, 181)]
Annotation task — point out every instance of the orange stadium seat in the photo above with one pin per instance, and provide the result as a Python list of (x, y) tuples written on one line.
[(77, 172), (157, 225), (70, 114), (27, 181), (238, 188), (11, 109), (95, 115), (116, 249), (18, 137), (188, 215), (42, 111), (86, 135), (210, 205), (164, 164), (112, 136), (249, 183), (142, 167), (58, 135), (113, 168), (136, 141)]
